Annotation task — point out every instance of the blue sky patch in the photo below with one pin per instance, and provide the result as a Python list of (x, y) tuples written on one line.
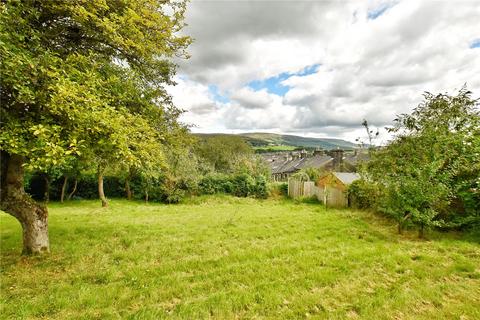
[(274, 85), (475, 44), (217, 96), (308, 70), (378, 11)]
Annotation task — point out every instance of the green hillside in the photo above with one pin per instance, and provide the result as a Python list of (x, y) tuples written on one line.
[(263, 140)]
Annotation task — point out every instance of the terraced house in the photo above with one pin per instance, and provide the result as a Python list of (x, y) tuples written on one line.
[(284, 164)]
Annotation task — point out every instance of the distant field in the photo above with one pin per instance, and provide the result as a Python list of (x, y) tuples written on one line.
[(262, 139), (275, 148), (231, 258)]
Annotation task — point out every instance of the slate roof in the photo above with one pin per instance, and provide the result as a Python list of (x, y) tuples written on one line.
[(316, 161), (356, 159), (346, 177), (284, 166)]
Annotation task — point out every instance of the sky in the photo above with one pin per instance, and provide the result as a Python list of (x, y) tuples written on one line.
[(318, 68)]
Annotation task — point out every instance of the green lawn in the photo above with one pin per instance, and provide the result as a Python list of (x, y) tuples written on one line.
[(229, 258)]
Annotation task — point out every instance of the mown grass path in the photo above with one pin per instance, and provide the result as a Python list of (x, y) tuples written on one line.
[(229, 258)]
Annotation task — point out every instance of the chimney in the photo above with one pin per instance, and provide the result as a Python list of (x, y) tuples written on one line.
[(318, 152), (337, 156), (303, 154)]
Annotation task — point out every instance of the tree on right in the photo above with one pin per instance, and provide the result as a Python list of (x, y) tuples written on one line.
[(429, 174)]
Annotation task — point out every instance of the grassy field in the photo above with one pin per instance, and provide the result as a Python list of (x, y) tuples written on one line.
[(275, 148), (231, 258)]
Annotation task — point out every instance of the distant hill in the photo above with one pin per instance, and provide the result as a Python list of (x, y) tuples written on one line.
[(263, 140)]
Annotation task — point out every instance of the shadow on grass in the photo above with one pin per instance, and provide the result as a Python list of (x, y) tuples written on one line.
[(376, 219)]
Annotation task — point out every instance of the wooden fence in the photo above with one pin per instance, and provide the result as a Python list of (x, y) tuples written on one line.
[(329, 196)]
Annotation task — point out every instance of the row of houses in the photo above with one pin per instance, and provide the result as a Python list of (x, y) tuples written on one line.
[(339, 169), (284, 164)]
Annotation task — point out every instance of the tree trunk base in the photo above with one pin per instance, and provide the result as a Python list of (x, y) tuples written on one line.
[(35, 233), (32, 216), (101, 193), (127, 189), (74, 189)]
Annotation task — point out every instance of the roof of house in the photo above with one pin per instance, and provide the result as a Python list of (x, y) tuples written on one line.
[(316, 161), (346, 177), (356, 159), (287, 166), (279, 164)]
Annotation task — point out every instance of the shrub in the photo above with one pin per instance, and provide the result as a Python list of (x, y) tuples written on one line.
[(240, 185), (278, 189), (301, 175), (243, 185), (261, 190), (173, 195), (215, 183), (362, 194)]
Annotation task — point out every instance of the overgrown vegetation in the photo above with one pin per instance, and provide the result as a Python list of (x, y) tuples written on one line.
[(213, 165), (309, 174), (429, 175)]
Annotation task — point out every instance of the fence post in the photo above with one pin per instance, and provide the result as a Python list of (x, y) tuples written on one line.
[(325, 198)]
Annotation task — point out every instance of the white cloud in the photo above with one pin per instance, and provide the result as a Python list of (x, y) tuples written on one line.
[(251, 99), (202, 111), (369, 68)]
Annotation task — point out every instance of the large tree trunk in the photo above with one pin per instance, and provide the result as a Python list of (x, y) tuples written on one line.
[(74, 189), (32, 216), (101, 193), (64, 188)]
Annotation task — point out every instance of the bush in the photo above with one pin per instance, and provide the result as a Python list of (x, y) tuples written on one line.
[(215, 183), (277, 189), (261, 190), (363, 194), (167, 188), (240, 185), (173, 195), (243, 185)]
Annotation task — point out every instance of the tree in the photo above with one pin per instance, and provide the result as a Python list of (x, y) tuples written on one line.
[(74, 73), (432, 162), (370, 134), (224, 153)]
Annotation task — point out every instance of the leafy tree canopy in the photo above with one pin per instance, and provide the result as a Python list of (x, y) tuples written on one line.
[(224, 153), (433, 164), (84, 73)]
